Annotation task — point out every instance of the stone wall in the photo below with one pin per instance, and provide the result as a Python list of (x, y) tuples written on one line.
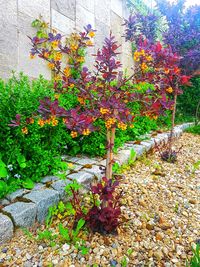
[(65, 16)]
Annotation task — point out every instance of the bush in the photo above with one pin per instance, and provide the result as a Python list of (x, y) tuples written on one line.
[(188, 101), (25, 158), (194, 129)]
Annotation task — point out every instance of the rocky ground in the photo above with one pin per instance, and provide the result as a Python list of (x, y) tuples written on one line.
[(161, 220)]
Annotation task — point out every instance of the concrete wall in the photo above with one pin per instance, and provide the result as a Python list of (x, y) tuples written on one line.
[(65, 16)]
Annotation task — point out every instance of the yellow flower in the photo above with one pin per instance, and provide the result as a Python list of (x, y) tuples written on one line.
[(67, 71), (57, 78), (41, 122), (169, 90), (54, 44), (81, 59), (54, 121), (32, 56), (70, 165), (131, 126), (74, 134), (47, 121), (86, 132), (51, 65), (46, 54), (59, 216), (144, 66), (122, 126), (71, 85), (91, 34), (149, 58), (57, 96), (110, 122), (104, 110), (58, 56), (142, 52), (155, 117), (89, 43), (31, 121), (81, 100), (25, 130), (74, 47)]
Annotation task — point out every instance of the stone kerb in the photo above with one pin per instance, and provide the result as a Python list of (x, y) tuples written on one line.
[(24, 207)]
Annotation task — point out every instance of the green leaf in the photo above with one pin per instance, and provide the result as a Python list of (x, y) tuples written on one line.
[(64, 232), (28, 183)]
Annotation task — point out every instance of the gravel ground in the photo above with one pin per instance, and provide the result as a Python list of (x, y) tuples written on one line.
[(161, 220)]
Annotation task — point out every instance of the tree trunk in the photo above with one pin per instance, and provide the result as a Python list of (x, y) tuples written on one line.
[(109, 158), (173, 122)]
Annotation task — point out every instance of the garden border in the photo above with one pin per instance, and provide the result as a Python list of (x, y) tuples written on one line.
[(24, 207)]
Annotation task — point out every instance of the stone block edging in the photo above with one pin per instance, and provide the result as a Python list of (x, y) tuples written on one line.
[(24, 207)]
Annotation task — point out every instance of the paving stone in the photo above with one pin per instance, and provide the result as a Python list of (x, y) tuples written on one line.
[(60, 187), (102, 162), (85, 161), (49, 178), (96, 171), (82, 177), (43, 199), (6, 228), (38, 186), (23, 214), (123, 156), (139, 149), (18, 193), (4, 202), (73, 159), (147, 145)]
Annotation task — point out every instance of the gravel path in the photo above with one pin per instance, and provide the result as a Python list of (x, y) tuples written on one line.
[(161, 220)]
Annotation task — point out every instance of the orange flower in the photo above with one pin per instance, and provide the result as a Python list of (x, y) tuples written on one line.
[(32, 56), (110, 122), (81, 59), (54, 44), (91, 34), (71, 85), (74, 134), (104, 111), (25, 130), (89, 43), (81, 100), (86, 132), (67, 71), (169, 90), (57, 96), (31, 120), (122, 126), (41, 122), (74, 47), (51, 65), (144, 66), (58, 56), (166, 71)]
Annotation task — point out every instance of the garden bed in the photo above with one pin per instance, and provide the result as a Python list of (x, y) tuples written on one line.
[(152, 232)]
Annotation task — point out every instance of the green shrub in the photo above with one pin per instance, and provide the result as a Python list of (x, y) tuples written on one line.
[(25, 159), (188, 101), (194, 129)]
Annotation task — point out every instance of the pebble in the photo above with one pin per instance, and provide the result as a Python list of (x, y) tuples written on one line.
[(65, 247)]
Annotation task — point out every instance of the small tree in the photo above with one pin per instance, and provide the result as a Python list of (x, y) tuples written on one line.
[(104, 94)]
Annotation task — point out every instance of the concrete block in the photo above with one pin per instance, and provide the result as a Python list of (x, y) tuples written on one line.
[(43, 200), (17, 193), (81, 177), (62, 23), (66, 8), (88, 4), (6, 228), (102, 11), (84, 17), (60, 187), (96, 171), (23, 214), (49, 178)]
